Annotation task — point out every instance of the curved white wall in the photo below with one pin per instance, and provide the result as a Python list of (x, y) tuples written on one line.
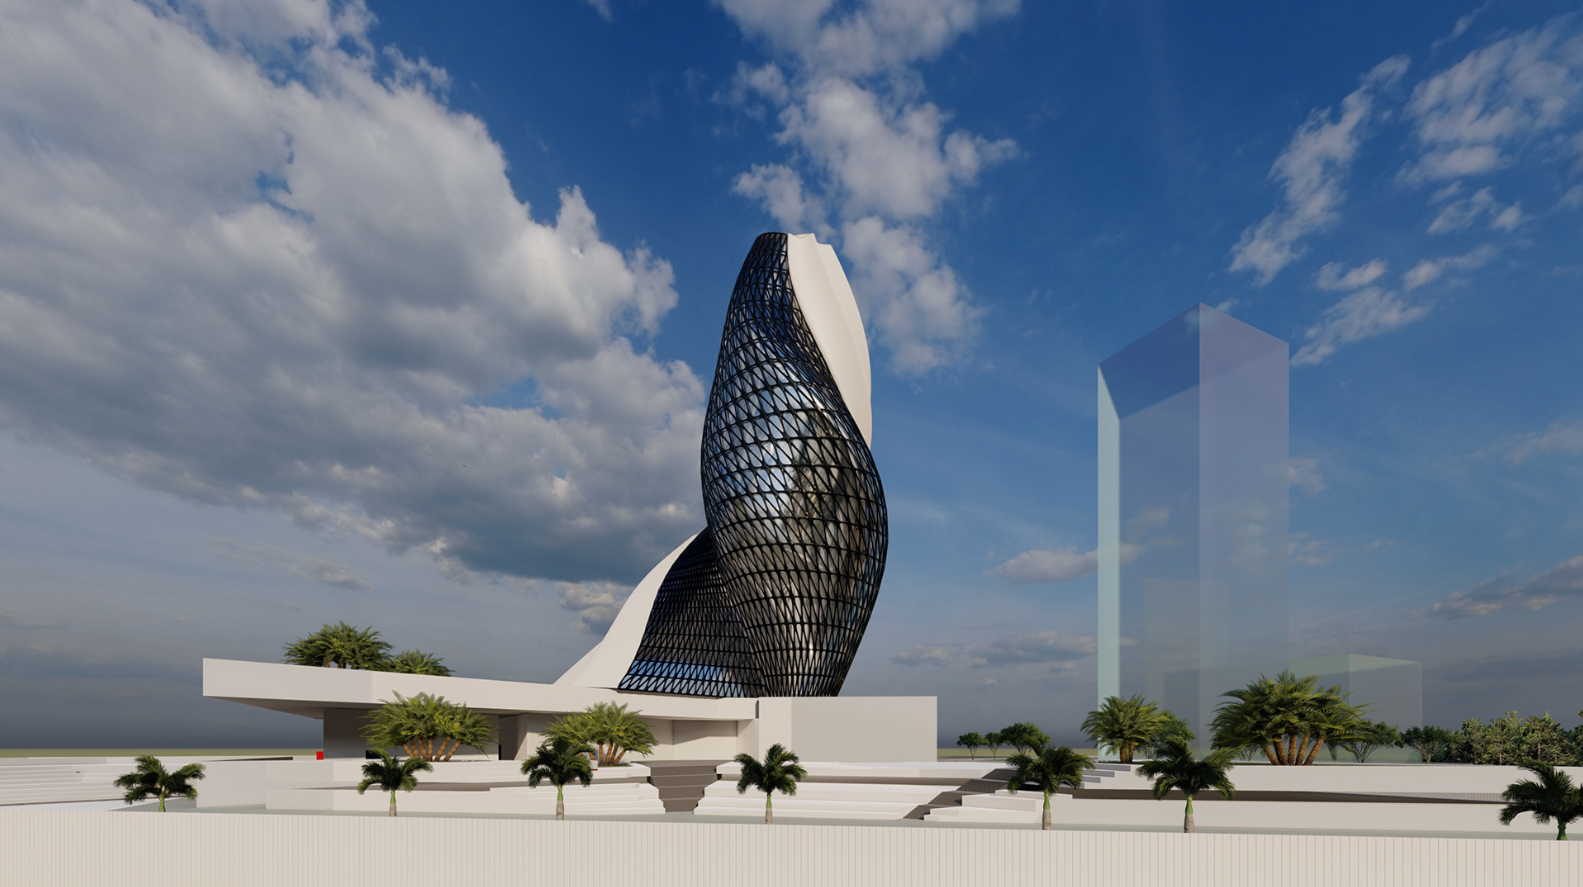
[(827, 304), (607, 663)]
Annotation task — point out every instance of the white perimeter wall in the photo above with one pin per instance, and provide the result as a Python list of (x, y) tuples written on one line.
[(855, 729), (41, 849)]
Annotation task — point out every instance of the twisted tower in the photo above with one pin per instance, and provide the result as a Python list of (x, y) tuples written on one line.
[(771, 598)]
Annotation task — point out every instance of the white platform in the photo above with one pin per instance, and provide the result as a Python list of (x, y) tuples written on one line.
[(452, 788), (861, 728), (843, 790), (1426, 782)]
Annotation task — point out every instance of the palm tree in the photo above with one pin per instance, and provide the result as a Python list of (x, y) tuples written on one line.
[(1288, 718), (390, 774), (1178, 768), (339, 645), (414, 662), (1552, 797), (779, 772), (559, 760), (1124, 724), (417, 723), (610, 728), (150, 780), (971, 741), (1048, 769)]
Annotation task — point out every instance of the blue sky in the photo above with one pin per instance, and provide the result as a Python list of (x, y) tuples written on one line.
[(404, 314)]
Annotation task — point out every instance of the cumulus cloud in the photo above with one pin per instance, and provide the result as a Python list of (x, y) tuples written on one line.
[(1045, 565), (1033, 646), (1468, 117), (867, 37), (1362, 315), (870, 158), (253, 260), (923, 654), (595, 603), (921, 311), (781, 191), (1506, 591), (1311, 172)]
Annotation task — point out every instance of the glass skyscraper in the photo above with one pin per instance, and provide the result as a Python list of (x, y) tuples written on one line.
[(1193, 481)]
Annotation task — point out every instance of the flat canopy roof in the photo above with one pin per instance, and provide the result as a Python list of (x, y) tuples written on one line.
[(308, 691)]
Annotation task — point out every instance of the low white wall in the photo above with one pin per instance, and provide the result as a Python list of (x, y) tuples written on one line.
[(43, 849), (847, 728)]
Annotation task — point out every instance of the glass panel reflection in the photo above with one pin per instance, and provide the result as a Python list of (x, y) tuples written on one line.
[(1193, 478)]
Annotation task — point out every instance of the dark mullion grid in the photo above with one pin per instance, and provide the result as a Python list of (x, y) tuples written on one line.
[(795, 548)]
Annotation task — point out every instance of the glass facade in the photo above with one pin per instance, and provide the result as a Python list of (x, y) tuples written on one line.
[(1392, 688), (1193, 481), (772, 599)]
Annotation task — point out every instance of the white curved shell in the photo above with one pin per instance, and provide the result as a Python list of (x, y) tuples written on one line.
[(607, 663), (830, 309)]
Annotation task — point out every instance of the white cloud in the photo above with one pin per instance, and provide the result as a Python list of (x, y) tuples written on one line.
[(923, 654), (1033, 646), (1362, 315), (1311, 171), (1046, 565), (1469, 116), (1561, 437), (603, 8), (1306, 552), (866, 37), (279, 271), (1424, 272), (1042, 565), (784, 196), (595, 603), (897, 161), (870, 158), (1459, 214), (911, 298), (1535, 593), (1335, 276), (1303, 472), (1430, 270)]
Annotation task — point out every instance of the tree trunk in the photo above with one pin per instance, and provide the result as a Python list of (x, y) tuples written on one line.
[(1046, 825), (1318, 741), (1187, 821), (1265, 746), (162, 802), (769, 812), (392, 802), (560, 802), (1126, 753), (1561, 835)]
